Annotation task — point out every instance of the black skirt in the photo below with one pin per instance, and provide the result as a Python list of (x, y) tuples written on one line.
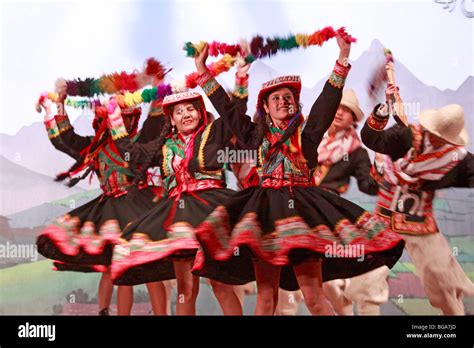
[(147, 248), (285, 227), (86, 235), (61, 266)]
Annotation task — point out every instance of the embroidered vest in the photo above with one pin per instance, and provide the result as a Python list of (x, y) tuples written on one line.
[(115, 176), (288, 167), (176, 178), (408, 209)]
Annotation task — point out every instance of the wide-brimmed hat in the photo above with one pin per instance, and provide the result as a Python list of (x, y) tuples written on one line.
[(293, 81), (349, 100), (446, 123), (182, 97)]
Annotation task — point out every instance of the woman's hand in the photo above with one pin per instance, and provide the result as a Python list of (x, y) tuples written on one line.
[(344, 49), (46, 105), (200, 60), (61, 89), (243, 70)]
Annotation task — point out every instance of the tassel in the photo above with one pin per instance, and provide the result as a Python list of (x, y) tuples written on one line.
[(61, 176), (72, 182), (128, 82), (162, 91), (342, 32), (190, 49), (147, 95), (120, 99), (154, 68), (260, 48), (255, 46)]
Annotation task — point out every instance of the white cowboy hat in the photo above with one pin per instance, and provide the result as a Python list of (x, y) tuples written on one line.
[(446, 123), (349, 100)]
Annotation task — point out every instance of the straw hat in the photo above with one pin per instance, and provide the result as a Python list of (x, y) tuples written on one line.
[(446, 123), (349, 100)]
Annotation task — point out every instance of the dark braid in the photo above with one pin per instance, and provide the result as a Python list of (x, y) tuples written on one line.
[(193, 162), (159, 142), (74, 181), (262, 129), (132, 127)]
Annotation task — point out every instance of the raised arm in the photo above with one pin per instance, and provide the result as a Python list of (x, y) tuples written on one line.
[(135, 153), (395, 141), (232, 113), (325, 107), (68, 136), (240, 95), (151, 128), (61, 133)]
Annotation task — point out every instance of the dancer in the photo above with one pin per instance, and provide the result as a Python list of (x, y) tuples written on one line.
[(421, 159), (340, 154), (279, 232), (340, 157), (161, 244), (82, 240)]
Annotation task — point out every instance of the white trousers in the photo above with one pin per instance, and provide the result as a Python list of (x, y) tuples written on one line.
[(443, 280)]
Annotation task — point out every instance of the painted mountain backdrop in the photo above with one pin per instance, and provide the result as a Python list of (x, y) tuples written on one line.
[(31, 149), (30, 199)]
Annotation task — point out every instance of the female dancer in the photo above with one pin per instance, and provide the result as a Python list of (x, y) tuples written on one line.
[(279, 232), (161, 244), (82, 240)]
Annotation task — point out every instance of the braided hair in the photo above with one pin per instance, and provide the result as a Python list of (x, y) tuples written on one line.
[(275, 148), (263, 127)]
